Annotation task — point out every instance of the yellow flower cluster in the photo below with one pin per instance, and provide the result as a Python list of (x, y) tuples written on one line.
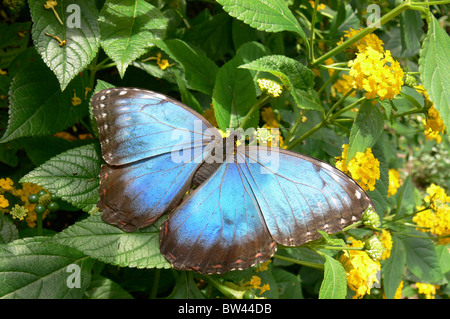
[(394, 182), (370, 40), (377, 73), (19, 211), (360, 269), (255, 283), (363, 167), (373, 70), (386, 240), (344, 85), (270, 87), (433, 125), (428, 290), (268, 116), (320, 7), (437, 219)]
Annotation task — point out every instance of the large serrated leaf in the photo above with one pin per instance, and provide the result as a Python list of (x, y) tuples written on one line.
[(294, 75), (234, 94), (37, 267), (38, 107), (200, 71), (79, 29), (421, 258), (434, 67), (264, 15), (72, 176), (112, 245), (8, 231), (366, 130), (128, 28), (334, 284), (393, 268)]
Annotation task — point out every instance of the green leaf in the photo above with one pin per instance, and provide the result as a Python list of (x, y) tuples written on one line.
[(8, 231), (379, 195), (80, 29), (104, 288), (291, 72), (38, 107), (334, 284), (186, 288), (128, 28), (405, 202), (393, 268), (200, 71), (421, 258), (294, 75), (365, 131), (111, 245), (411, 32), (13, 40), (434, 68), (289, 284), (234, 94), (38, 268), (269, 16), (72, 176)]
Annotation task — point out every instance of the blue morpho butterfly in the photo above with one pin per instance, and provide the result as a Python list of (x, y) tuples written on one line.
[(242, 204)]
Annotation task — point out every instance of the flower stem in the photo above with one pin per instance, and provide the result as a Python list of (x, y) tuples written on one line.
[(227, 291), (260, 102), (300, 262), (313, 22), (387, 17), (39, 223)]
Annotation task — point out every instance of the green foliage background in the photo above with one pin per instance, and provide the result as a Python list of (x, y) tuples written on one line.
[(212, 47)]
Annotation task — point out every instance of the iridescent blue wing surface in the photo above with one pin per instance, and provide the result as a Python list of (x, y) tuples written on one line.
[(219, 227), (152, 145), (299, 195)]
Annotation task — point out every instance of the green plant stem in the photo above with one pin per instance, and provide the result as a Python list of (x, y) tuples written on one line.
[(39, 223), (306, 135), (429, 3), (299, 262), (330, 80), (260, 102), (227, 291), (154, 291), (414, 111), (331, 118), (313, 22), (387, 17)]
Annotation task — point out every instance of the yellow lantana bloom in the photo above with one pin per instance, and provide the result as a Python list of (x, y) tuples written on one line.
[(270, 87), (394, 182), (370, 40), (363, 167), (360, 269), (377, 73), (437, 219), (428, 290)]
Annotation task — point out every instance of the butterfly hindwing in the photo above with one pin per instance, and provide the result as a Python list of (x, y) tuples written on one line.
[(299, 195), (136, 195), (218, 228)]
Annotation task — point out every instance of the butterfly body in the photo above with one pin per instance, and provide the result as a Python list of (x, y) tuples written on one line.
[(242, 201)]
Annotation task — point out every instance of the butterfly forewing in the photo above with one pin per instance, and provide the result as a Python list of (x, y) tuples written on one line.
[(152, 145)]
